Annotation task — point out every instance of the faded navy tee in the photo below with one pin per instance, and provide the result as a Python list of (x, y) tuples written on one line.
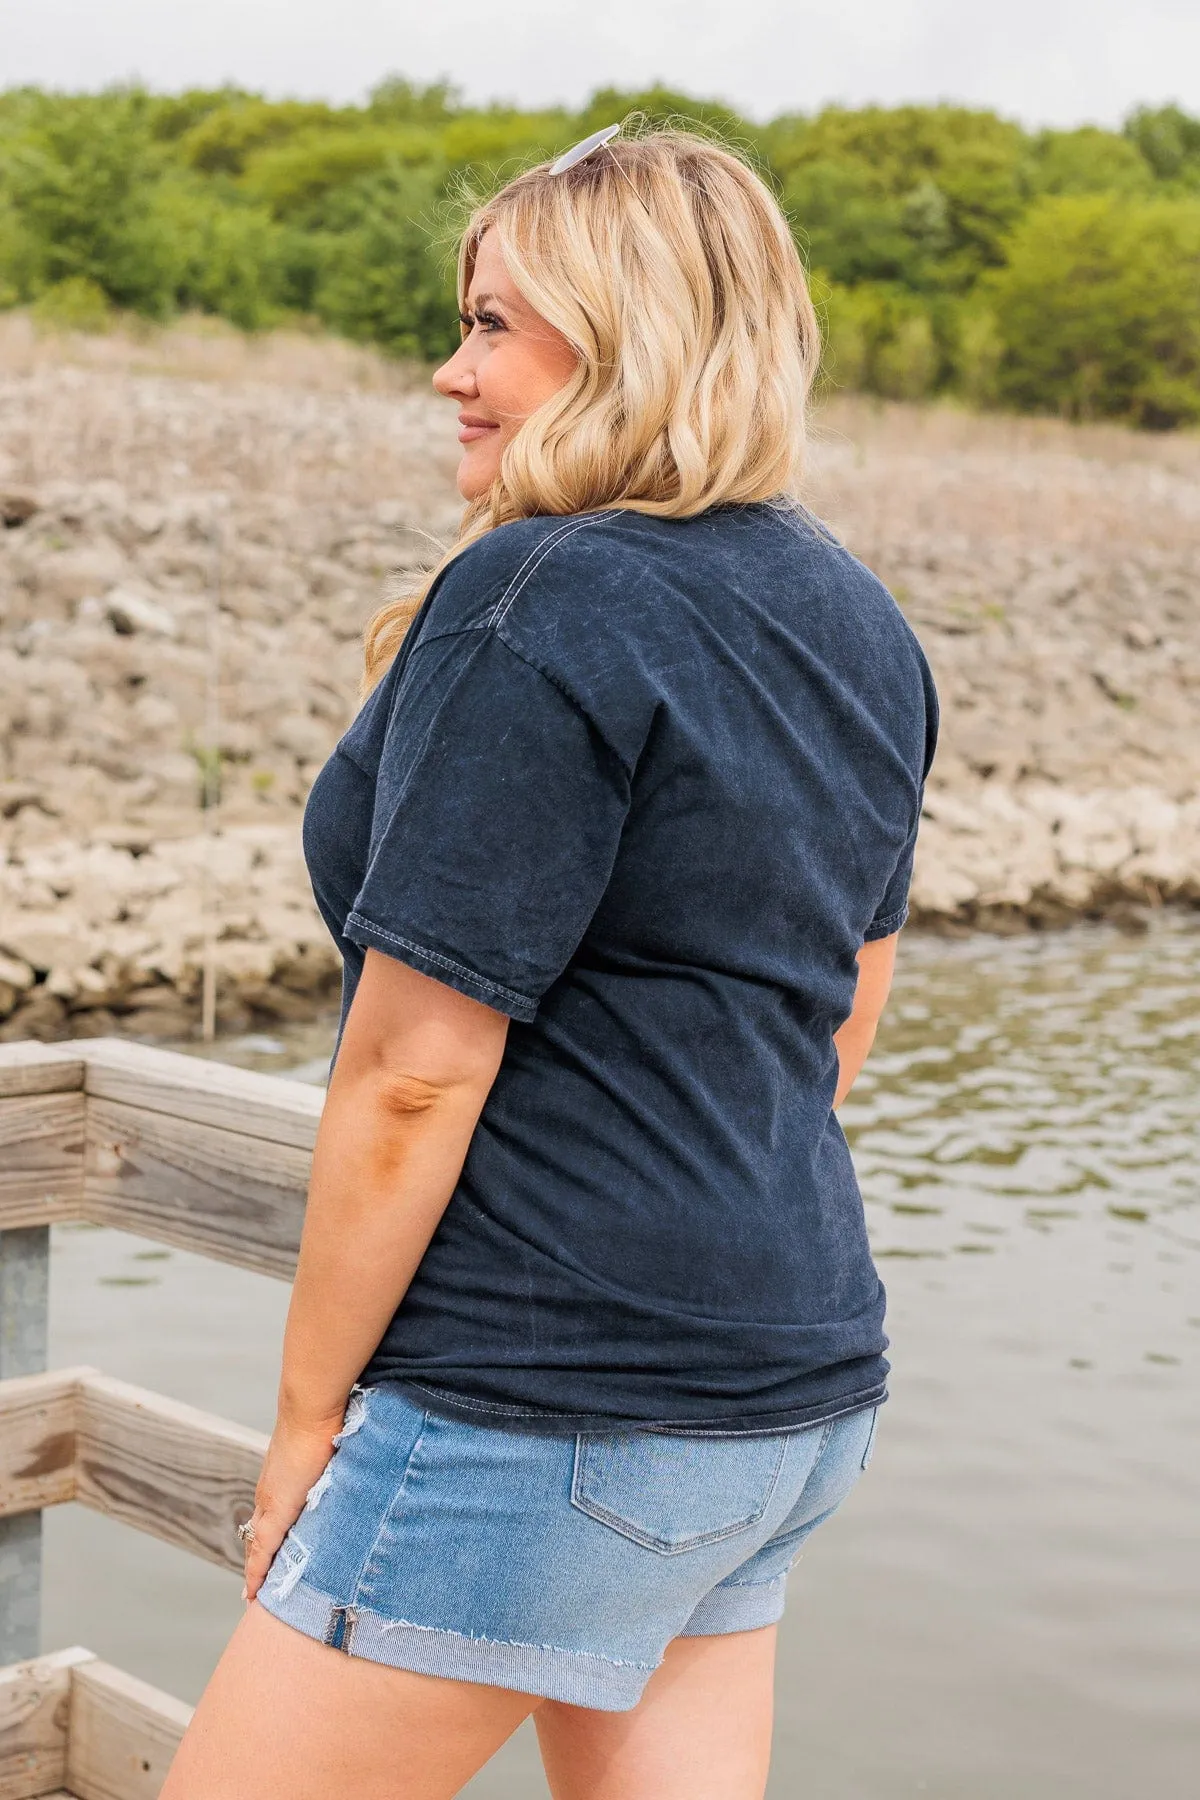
[(645, 786)]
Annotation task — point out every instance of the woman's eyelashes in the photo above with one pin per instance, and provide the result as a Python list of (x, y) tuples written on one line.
[(486, 321)]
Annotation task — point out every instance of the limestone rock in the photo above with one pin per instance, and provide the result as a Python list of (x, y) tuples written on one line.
[(1050, 578), (128, 611)]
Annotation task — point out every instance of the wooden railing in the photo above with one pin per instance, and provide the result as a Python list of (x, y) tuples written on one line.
[(191, 1153)]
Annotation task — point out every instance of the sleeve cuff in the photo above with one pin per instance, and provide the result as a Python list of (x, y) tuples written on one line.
[(442, 968), (884, 927)]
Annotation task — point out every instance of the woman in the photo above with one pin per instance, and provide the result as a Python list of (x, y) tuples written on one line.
[(585, 1337)]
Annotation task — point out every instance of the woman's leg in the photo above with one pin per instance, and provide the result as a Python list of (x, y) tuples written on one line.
[(701, 1731), (286, 1718)]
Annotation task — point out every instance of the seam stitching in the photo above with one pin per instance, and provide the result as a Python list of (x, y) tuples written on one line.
[(369, 1558), (446, 962), (510, 594), (722, 1586), (512, 1412), (450, 1398), (595, 1509), (541, 543), (893, 918)]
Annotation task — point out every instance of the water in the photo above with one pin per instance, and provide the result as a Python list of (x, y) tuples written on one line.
[(1010, 1603)]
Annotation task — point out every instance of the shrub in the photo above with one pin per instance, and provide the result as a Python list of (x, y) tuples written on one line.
[(76, 304), (881, 339), (977, 353)]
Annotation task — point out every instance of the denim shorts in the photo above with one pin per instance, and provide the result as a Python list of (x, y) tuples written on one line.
[(556, 1565)]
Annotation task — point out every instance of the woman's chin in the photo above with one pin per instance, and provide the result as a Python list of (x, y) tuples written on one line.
[(476, 473)]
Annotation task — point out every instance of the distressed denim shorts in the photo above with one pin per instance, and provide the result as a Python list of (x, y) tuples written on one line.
[(556, 1565)]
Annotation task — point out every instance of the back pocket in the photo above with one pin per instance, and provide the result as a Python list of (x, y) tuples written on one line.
[(672, 1493)]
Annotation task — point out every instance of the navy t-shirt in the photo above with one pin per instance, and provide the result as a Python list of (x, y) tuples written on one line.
[(644, 785)]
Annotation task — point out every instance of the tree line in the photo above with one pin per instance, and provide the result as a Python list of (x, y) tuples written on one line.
[(950, 250)]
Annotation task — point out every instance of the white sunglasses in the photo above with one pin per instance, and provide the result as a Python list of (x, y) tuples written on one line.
[(588, 146)]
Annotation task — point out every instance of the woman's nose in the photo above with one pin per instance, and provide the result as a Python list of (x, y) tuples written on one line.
[(455, 377)]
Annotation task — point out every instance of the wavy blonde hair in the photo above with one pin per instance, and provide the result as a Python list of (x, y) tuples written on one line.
[(676, 279)]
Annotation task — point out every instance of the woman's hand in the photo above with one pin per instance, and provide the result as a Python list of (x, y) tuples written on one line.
[(295, 1459)]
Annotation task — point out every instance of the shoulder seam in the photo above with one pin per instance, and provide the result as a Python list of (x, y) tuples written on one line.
[(530, 566), (554, 680), (550, 676)]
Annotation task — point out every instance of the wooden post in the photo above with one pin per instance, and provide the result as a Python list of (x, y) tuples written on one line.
[(24, 1292)]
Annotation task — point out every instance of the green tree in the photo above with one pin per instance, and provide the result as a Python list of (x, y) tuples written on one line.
[(845, 225), (290, 177), (401, 102), (224, 137), (77, 179), (972, 159), (1169, 139), (173, 115), (1087, 161), (387, 275), (881, 339), (1098, 310), (231, 256), (949, 248), (659, 105)]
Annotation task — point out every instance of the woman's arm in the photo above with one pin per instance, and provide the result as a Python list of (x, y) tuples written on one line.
[(413, 1070), (876, 963)]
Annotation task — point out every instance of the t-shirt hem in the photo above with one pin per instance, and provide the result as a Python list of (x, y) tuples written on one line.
[(545, 1422), (442, 968)]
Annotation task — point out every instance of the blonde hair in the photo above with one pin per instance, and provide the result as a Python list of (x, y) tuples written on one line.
[(676, 280)]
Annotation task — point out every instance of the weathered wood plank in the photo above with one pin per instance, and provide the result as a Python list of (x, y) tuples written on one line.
[(183, 1475), (207, 1093), (34, 1707), (32, 1068), (121, 1734), (37, 1439), (237, 1198), (41, 1158)]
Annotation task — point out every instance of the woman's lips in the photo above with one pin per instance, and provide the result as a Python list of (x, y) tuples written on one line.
[(470, 428)]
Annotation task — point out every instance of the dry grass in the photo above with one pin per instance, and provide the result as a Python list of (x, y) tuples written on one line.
[(202, 348), (203, 409), (883, 471)]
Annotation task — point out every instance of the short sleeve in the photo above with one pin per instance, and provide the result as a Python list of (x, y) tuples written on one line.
[(498, 811), (892, 911)]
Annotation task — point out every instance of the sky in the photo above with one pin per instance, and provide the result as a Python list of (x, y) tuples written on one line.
[(1045, 62)]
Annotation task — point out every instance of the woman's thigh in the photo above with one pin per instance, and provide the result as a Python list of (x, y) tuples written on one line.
[(286, 1718), (701, 1731)]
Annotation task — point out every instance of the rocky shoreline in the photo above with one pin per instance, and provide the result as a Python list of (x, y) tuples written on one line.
[(189, 562)]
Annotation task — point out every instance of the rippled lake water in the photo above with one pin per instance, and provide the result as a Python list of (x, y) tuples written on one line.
[(1008, 1608)]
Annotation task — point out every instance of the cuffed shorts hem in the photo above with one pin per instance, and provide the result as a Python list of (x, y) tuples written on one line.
[(552, 1673), (559, 1567), (743, 1606)]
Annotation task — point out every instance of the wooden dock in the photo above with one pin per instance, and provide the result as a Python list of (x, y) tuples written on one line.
[(193, 1154)]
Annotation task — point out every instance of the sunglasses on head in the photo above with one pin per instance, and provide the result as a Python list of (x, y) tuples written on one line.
[(588, 146)]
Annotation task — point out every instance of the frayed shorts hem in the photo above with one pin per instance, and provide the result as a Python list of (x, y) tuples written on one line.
[(552, 1673)]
